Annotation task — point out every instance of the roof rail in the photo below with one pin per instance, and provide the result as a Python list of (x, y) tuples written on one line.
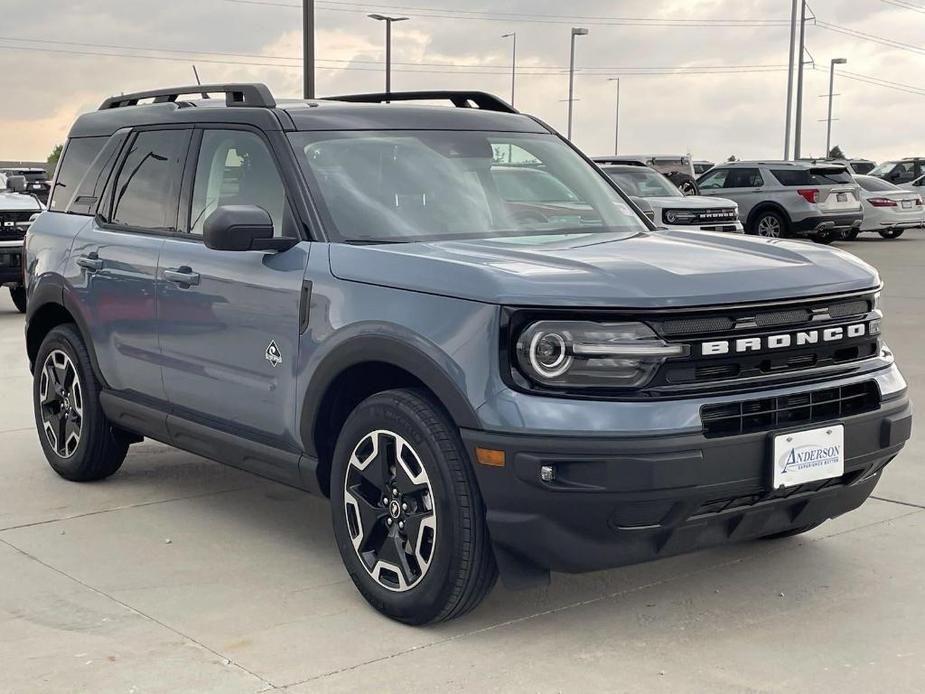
[(460, 99), (257, 95)]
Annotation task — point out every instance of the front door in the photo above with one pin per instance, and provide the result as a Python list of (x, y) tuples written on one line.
[(229, 321)]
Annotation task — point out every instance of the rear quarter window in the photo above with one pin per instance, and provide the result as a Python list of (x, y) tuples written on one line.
[(75, 162)]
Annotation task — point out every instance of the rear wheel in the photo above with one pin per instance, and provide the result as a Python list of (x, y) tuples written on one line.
[(769, 224), (407, 513), (77, 439), (892, 233), (18, 294)]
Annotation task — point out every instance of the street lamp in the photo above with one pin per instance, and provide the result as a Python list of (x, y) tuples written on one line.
[(388, 45), (513, 37), (828, 129), (616, 131), (576, 31)]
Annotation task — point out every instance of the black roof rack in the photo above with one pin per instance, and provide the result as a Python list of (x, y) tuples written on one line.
[(256, 94), (460, 99)]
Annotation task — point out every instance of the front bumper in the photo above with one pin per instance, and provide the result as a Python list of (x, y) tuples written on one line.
[(734, 227), (624, 500), (11, 262)]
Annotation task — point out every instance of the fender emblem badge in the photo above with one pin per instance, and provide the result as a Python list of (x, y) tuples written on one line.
[(273, 354)]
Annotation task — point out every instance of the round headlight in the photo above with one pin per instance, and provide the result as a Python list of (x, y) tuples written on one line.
[(548, 354), (671, 217)]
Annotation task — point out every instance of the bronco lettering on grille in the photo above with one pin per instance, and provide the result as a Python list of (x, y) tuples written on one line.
[(801, 338)]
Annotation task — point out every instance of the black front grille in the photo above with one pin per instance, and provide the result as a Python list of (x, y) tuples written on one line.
[(768, 414)]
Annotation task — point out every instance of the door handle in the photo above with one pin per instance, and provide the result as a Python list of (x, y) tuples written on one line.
[(91, 262), (184, 276)]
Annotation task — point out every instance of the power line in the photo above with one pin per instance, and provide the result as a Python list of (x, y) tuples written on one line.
[(905, 5), (476, 15), (876, 81), (293, 58), (882, 40)]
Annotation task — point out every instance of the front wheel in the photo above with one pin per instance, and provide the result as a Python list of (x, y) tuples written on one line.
[(852, 235), (826, 237), (77, 439), (407, 513), (18, 294), (891, 233)]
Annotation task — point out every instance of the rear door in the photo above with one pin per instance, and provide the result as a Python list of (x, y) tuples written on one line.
[(229, 321), (116, 257)]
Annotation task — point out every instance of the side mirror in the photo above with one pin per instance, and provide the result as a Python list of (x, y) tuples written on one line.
[(242, 228), (16, 183)]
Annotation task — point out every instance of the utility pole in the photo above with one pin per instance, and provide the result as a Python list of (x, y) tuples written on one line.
[(576, 31), (828, 128), (513, 37), (308, 49), (388, 45), (798, 135), (616, 131), (793, 38)]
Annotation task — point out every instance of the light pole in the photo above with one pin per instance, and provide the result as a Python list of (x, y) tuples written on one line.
[(793, 39), (798, 127), (828, 128), (308, 49), (616, 131), (388, 45), (513, 37), (576, 31)]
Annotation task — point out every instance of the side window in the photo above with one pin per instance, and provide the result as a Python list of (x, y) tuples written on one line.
[(235, 167), (75, 161), (148, 184), (743, 178), (713, 180)]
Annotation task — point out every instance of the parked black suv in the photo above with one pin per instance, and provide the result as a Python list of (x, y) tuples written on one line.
[(338, 295)]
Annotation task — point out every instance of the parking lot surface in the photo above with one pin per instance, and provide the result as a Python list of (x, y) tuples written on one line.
[(182, 575)]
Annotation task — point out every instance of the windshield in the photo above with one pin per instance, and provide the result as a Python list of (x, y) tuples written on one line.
[(644, 183), (883, 168), (402, 186)]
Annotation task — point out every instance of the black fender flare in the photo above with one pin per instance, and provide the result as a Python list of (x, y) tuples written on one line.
[(53, 290), (395, 352)]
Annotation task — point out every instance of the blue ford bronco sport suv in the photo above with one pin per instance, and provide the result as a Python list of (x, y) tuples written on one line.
[(336, 294)]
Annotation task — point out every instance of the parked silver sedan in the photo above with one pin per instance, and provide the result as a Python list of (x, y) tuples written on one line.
[(888, 209)]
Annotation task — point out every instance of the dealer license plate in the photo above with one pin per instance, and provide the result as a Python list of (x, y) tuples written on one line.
[(809, 456), (841, 197), (907, 204)]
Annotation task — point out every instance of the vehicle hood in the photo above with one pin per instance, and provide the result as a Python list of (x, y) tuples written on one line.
[(632, 270), (15, 202), (689, 202)]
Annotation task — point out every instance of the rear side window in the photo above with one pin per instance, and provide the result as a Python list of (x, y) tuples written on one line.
[(811, 177), (147, 187), (75, 161), (743, 178)]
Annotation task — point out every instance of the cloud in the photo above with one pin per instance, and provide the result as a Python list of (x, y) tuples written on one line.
[(710, 115)]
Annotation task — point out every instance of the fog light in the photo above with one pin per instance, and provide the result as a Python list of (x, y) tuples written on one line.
[(548, 473)]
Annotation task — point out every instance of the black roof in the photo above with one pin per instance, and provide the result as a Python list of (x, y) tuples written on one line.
[(255, 105)]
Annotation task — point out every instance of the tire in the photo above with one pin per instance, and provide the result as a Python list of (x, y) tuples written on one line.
[(793, 532), (769, 224), (891, 233), (18, 294), (98, 450), (825, 237), (452, 567), (852, 235)]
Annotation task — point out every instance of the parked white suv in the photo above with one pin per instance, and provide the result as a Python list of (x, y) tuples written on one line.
[(670, 207), (789, 198)]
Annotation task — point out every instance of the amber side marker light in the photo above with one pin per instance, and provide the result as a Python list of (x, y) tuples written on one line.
[(487, 456)]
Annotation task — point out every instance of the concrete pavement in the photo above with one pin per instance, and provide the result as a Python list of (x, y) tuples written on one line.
[(181, 575)]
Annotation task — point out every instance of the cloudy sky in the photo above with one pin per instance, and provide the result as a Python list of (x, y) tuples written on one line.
[(714, 80)]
